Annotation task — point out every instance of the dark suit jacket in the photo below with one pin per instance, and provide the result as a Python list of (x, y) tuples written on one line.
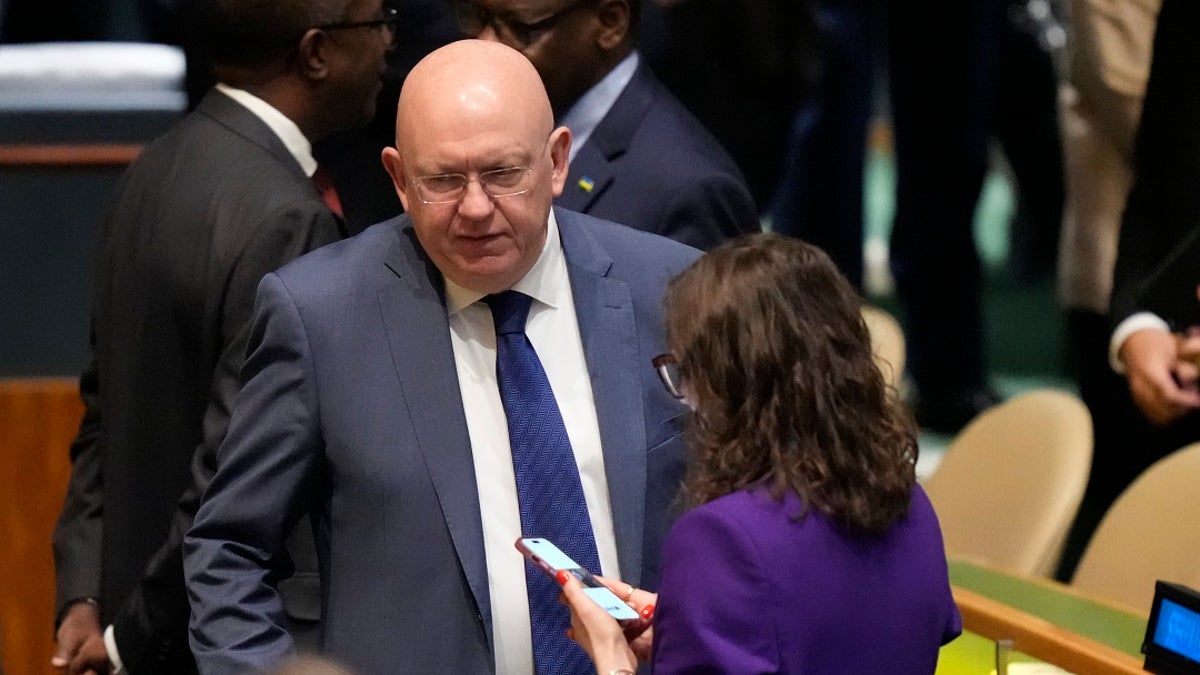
[(651, 165), (1164, 203), (352, 403), (200, 217)]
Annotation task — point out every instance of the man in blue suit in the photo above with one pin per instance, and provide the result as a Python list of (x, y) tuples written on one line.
[(372, 395), (638, 156)]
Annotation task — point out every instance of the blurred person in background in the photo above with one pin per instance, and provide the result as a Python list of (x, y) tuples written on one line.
[(960, 72), (1101, 99), (228, 194), (1152, 348), (638, 157), (731, 61)]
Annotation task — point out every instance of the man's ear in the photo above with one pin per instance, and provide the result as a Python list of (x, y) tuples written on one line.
[(560, 150), (312, 54), (614, 24), (394, 165)]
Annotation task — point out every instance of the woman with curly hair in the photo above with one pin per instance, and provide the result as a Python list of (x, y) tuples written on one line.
[(809, 546)]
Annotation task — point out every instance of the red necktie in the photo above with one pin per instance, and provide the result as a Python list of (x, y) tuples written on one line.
[(324, 183)]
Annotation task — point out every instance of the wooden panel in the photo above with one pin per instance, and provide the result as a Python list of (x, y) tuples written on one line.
[(67, 156), (38, 420), (1040, 638)]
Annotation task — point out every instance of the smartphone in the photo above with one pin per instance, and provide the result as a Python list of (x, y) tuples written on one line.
[(550, 559)]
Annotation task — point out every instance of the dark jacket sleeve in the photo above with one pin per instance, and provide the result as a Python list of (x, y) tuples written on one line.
[(151, 628), (79, 532), (1164, 202)]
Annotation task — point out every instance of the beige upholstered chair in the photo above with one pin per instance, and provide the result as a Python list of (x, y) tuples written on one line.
[(1151, 532), (1010, 483), (887, 343)]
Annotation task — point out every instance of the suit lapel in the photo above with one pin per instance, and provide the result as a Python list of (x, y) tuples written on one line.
[(589, 176), (235, 117), (604, 310), (592, 170), (414, 314)]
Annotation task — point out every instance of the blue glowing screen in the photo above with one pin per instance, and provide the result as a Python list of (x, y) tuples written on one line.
[(1178, 630)]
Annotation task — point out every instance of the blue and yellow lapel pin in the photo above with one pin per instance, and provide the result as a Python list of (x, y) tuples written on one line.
[(587, 184)]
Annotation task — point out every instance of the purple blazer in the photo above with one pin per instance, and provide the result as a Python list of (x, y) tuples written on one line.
[(746, 589)]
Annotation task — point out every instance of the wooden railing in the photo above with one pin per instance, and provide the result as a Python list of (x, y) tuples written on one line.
[(1040, 638), (38, 420), (68, 156)]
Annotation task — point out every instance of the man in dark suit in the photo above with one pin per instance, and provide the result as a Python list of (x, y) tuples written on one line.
[(1161, 411), (206, 211), (373, 394), (1162, 211), (639, 157)]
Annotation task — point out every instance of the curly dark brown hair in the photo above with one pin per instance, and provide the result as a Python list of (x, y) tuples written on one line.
[(777, 362)]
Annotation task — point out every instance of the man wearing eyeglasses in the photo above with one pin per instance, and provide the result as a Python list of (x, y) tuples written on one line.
[(638, 156), (439, 385), (225, 196)]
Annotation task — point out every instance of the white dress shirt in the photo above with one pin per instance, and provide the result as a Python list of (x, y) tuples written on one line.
[(1130, 325), (287, 131), (554, 332)]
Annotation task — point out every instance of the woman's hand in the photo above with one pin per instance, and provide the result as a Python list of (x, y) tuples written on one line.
[(639, 634), (598, 633)]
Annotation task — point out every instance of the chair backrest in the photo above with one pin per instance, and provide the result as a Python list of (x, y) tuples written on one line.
[(887, 343), (1010, 483), (1151, 532)]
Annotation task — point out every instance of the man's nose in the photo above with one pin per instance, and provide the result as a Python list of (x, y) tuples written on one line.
[(476, 203)]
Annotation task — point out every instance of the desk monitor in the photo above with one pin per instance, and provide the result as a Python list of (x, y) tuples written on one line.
[(1172, 644)]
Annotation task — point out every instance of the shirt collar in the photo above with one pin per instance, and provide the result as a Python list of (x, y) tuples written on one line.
[(545, 281), (583, 117), (293, 139)]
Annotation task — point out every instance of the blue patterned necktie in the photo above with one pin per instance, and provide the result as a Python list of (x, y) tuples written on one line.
[(548, 488)]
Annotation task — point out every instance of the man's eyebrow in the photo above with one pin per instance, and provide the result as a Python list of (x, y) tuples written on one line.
[(506, 160)]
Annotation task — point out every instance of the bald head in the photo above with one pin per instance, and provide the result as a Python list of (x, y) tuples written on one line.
[(472, 78), (478, 162)]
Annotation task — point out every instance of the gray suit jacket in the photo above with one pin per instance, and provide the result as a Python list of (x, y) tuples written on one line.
[(204, 213), (352, 404)]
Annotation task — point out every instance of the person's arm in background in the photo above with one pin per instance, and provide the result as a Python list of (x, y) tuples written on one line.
[(1163, 205), (78, 538)]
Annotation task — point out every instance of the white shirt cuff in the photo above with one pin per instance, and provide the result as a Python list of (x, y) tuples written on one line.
[(1132, 324), (110, 645)]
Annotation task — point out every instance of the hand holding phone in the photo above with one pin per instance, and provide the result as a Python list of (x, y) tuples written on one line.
[(551, 560)]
